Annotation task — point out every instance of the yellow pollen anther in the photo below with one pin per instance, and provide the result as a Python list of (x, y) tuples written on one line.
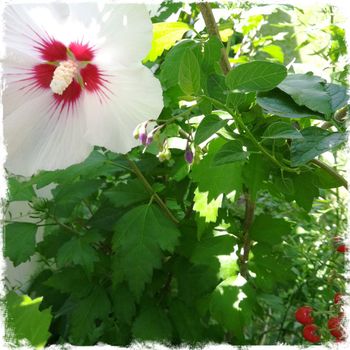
[(63, 76)]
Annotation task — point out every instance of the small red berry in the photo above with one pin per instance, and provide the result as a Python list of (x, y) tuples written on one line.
[(309, 333), (337, 298), (303, 315), (342, 248), (334, 327)]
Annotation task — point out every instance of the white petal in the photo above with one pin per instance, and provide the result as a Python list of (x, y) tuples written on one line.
[(136, 97), (37, 139), (126, 34)]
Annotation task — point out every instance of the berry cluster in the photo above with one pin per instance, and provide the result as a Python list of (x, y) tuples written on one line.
[(310, 331)]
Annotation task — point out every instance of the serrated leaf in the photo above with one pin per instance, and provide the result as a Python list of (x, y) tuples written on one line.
[(207, 210), (281, 130), (281, 104), (19, 241), (256, 76), (308, 90), (77, 252), (315, 142), (165, 35), (94, 307), (267, 229), (125, 194), (69, 281), (141, 236), (25, 320), (189, 73), (208, 127), (230, 152), (152, 324)]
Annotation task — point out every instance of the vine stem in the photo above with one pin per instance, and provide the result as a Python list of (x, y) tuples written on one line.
[(149, 188)]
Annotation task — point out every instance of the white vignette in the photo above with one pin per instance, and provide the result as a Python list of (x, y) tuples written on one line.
[(344, 7)]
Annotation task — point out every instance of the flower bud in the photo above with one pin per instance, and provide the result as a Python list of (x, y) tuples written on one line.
[(189, 156)]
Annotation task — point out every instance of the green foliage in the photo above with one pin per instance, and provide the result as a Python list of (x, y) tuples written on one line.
[(256, 76), (26, 321), (222, 239)]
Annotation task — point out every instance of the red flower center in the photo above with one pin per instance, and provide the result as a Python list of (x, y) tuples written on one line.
[(89, 77)]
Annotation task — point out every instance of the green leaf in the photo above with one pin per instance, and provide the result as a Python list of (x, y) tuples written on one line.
[(241, 100), (123, 304), (230, 152), (256, 76), (207, 210), (305, 190), (230, 305), (141, 236), (187, 322), (208, 127), (279, 103), (68, 196), (152, 324), (269, 230), (254, 173), (189, 73), (308, 90), (69, 281), (216, 87), (19, 241), (338, 95), (274, 51), (212, 53), (19, 191), (165, 35), (217, 179), (95, 306), (315, 142), (325, 180), (77, 252), (281, 130), (25, 320), (125, 194)]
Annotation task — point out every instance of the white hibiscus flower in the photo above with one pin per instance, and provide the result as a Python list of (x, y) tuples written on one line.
[(74, 79)]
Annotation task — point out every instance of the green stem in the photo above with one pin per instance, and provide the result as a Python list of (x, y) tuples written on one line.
[(149, 188)]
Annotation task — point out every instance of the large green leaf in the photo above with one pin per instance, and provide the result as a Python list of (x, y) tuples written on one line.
[(25, 320), (189, 73), (140, 238), (217, 179), (256, 76), (19, 191), (267, 229), (19, 241), (165, 35), (152, 324), (216, 87), (212, 53), (95, 306), (208, 127), (338, 95), (305, 190), (308, 90), (209, 211), (315, 141), (279, 103), (124, 307)]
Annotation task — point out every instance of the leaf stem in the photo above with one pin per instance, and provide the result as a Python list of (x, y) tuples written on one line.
[(149, 188)]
